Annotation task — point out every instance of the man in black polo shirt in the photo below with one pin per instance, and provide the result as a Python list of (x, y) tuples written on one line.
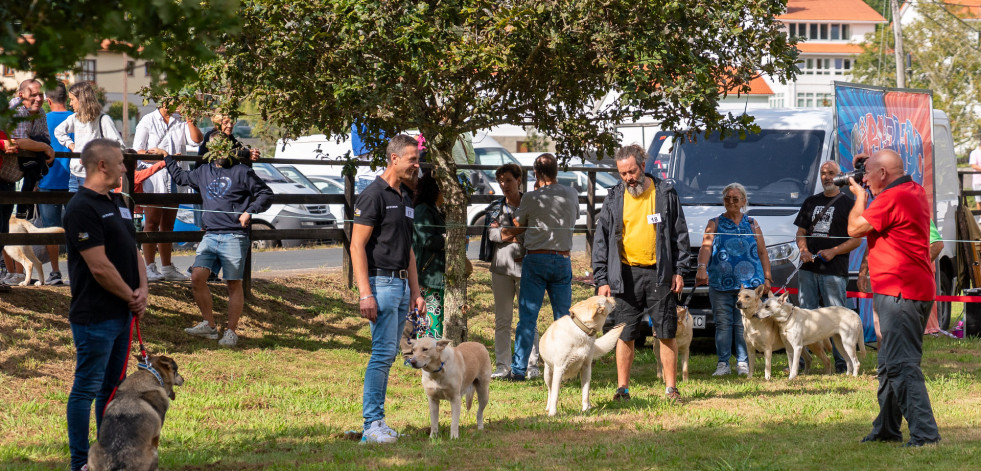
[(108, 287), (385, 270)]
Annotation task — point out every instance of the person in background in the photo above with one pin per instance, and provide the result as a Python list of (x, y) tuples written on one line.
[(822, 237), (429, 246), (7, 150), (171, 133), (733, 256), (896, 223), (88, 123), (546, 217), (57, 177), (505, 254)]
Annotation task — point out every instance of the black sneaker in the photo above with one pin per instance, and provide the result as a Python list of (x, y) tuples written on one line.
[(511, 377), (622, 394), (54, 278), (874, 438)]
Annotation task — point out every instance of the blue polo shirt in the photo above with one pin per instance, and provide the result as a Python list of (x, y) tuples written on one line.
[(57, 177)]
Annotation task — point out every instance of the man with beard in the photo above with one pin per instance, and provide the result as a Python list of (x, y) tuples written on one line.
[(822, 237), (646, 270)]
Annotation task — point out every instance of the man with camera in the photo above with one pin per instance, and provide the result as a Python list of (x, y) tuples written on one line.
[(898, 229), (822, 237)]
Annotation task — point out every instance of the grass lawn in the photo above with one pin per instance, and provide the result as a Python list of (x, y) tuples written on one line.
[(284, 398)]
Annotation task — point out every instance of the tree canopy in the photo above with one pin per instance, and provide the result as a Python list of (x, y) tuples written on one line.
[(946, 57), (448, 67), (50, 37)]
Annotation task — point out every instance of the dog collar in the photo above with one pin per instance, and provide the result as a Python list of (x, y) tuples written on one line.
[(152, 370), (440, 367), (579, 323)]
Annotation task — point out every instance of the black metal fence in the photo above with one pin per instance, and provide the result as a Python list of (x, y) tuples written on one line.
[(342, 234)]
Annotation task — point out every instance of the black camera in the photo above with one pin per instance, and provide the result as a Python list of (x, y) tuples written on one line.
[(857, 174)]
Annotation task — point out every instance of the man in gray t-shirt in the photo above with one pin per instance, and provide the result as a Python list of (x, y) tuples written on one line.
[(546, 217)]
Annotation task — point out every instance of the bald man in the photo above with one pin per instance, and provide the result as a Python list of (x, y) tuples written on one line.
[(822, 238), (898, 230)]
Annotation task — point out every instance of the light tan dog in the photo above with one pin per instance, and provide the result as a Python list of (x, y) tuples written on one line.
[(450, 373), (763, 335), (130, 432), (683, 335), (24, 254), (569, 346), (806, 326)]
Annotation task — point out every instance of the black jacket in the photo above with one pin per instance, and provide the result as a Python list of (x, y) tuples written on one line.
[(490, 215), (673, 249)]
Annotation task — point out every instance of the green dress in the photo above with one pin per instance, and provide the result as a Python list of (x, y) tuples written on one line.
[(429, 245)]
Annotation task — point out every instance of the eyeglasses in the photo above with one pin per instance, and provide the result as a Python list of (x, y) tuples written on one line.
[(732, 199)]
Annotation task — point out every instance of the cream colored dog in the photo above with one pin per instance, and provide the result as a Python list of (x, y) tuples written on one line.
[(24, 254), (684, 335), (569, 345), (806, 326), (450, 373), (763, 335)]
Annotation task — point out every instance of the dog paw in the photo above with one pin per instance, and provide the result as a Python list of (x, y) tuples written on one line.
[(38, 283)]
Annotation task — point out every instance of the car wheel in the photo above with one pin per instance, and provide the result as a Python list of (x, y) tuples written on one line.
[(263, 244)]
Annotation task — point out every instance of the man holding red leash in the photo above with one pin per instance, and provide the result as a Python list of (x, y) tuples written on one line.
[(108, 288)]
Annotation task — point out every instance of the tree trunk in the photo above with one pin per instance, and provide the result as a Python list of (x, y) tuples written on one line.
[(455, 202)]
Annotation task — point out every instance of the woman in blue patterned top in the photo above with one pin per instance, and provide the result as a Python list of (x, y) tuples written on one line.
[(733, 256)]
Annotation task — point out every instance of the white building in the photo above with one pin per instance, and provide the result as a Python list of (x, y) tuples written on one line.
[(830, 33)]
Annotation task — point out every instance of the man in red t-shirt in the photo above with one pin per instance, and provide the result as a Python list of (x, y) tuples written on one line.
[(898, 229)]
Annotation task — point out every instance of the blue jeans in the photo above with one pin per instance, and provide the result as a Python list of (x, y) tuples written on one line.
[(818, 290), (74, 183), (728, 326), (225, 252), (101, 350), (392, 296), (540, 273), (51, 214)]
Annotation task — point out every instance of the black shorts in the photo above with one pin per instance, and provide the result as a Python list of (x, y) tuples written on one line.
[(642, 294)]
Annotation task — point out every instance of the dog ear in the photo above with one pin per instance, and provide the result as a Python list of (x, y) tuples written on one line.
[(441, 344), (761, 291), (783, 297)]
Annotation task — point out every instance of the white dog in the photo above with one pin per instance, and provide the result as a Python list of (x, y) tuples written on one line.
[(569, 345), (24, 254), (806, 326), (763, 335), (450, 373)]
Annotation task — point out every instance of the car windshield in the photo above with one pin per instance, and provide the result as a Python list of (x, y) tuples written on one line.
[(269, 174), (293, 174), (495, 156), (329, 187), (777, 167)]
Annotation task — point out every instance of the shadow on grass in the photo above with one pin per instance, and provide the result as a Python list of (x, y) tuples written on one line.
[(34, 329)]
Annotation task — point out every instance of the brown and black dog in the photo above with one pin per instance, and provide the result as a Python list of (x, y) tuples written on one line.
[(130, 432)]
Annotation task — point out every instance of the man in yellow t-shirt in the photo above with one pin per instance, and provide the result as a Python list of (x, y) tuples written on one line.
[(640, 254)]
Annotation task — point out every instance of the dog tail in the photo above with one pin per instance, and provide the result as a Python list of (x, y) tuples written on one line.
[(608, 341), (469, 393), (861, 346), (34, 229)]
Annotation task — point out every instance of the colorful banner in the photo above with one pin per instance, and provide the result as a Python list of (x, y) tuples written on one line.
[(873, 118)]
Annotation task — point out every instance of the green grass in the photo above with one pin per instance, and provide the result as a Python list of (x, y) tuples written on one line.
[(286, 397)]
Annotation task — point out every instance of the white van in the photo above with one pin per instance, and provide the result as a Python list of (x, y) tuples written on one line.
[(780, 168)]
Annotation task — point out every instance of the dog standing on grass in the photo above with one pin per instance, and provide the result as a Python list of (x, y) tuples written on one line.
[(684, 336), (24, 254), (449, 373), (130, 432)]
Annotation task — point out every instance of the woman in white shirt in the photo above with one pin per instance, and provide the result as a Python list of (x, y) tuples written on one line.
[(88, 123), (159, 132)]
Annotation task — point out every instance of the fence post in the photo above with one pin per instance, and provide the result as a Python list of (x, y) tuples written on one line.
[(128, 183), (348, 226), (590, 212), (247, 276)]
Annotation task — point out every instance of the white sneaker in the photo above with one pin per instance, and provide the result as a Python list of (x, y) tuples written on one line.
[(377, 434), (388, 430), (170, 273), (533, 372), (722, 369), (202, 329), (14, 278), (229, 339), (500, 372), (742, 368), (152, 274)]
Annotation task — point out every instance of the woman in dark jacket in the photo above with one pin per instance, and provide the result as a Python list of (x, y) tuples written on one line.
[(429, 245)]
